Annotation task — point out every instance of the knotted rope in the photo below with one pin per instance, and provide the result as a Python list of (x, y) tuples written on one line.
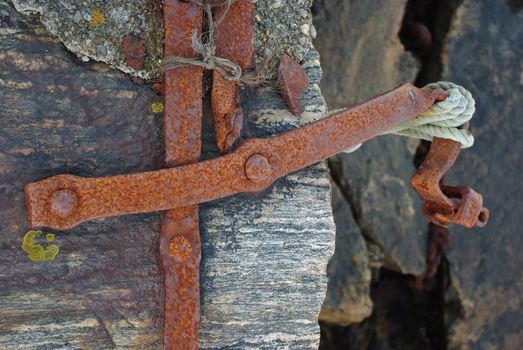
[(442, 119), (207, 50), (205, 47)]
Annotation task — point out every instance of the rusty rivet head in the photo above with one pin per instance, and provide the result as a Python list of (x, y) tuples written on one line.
[(63, 202), (180, 248), (257, 168)]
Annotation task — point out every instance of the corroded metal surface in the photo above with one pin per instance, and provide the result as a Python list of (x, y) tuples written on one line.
[(444, 204), (134, 51), (293, 81), (234, 40), (179, 244), (232, 173), (183, 86), (180, 253), (226, 111)]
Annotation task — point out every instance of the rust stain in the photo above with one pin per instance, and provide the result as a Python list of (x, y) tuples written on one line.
[(23, 151), (292, 80), (234, 40), (199, 182)]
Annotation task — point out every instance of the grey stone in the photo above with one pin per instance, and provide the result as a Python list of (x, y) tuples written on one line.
[(279, 31), (484, 50), (105, 23), (348, 293), (263, 272), (362, 57)]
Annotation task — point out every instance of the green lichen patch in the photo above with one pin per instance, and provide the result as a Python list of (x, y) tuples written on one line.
[(37, 252), (157, 107)]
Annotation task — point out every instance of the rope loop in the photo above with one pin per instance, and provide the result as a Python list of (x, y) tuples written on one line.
[(443, 119)]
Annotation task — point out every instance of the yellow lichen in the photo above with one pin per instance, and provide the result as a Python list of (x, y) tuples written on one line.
[(35, 251), (157, 107), (97, 18)]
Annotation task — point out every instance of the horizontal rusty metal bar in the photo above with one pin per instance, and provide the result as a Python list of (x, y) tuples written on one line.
[(64, 201)]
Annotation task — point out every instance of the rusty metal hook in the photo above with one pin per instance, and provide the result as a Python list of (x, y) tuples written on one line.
[(444, 204)]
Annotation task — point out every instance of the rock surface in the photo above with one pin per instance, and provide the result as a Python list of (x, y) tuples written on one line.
[(348, 293), (264, 255), (361, 57), (483, 53), (371, 60), (95, 30)]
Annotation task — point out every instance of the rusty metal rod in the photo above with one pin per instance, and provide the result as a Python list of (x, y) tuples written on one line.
[(234, 40), (64, 201), (179, 248)]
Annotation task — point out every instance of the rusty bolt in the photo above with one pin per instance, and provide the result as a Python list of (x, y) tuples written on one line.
[(134, 51), (63, 202), (257, 168)]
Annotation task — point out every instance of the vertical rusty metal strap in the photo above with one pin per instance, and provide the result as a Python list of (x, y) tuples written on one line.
[(179, 244), (234, 40)]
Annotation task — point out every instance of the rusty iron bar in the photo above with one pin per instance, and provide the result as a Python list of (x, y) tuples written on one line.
[(179, 247), (64, 201), (234, 40), (444, 204)]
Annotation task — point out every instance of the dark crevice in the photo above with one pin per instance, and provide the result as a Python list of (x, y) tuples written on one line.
[(402, 318), (409, 312), (432, 17)]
